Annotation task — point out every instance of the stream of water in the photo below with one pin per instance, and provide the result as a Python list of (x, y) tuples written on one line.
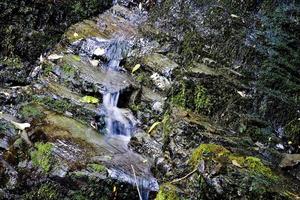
[(120, 122)]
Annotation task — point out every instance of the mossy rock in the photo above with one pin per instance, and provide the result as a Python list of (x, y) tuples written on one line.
[(167, 191), (213, 150), (42, 156), (221, 154)]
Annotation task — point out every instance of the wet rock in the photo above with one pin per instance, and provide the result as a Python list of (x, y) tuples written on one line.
[(290, 160), (160, 64)]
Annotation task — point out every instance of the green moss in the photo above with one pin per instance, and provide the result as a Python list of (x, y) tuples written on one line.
[(45, 191), (30, 111), (167, 192), (97, 167), (213, 150), (179, 98), (41, 157), (255, 165), (201, 99)]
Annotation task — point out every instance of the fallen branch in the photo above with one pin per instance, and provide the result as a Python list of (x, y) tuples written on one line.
[(137, 186), (186, 176)]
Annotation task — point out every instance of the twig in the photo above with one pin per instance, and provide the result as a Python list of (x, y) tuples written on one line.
[(137, 186), (186, 176)]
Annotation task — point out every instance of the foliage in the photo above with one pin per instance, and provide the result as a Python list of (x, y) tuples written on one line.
[(41, 157)]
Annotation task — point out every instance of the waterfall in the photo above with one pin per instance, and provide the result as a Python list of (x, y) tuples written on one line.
[(118, 121)]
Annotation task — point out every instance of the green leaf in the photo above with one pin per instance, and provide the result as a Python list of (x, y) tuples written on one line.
[(153, 127), (89, 99), (136, 67), (76, 58)]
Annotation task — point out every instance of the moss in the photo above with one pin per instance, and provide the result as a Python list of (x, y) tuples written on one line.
[(31, 111), (179, 98), (213, 150), (255, 165), (167, 192), (97, 167), (201, 99), (45, 191), (42, 157)]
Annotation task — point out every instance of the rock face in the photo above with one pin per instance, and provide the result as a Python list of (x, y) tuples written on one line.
[(216, 101)]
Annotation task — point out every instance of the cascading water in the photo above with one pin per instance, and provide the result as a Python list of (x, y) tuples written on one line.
[(118, 121), (120, 124)]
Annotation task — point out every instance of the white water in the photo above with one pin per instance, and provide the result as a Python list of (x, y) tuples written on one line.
[(118, 121)]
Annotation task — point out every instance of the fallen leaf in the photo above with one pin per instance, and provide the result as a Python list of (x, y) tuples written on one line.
[(89, 99), (153, 127), (54, 57), (234, 16), (76, 58), (235, 163), (114, 189), (136, 67)]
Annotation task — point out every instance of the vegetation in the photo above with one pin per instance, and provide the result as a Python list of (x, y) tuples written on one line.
[(41, 157)]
